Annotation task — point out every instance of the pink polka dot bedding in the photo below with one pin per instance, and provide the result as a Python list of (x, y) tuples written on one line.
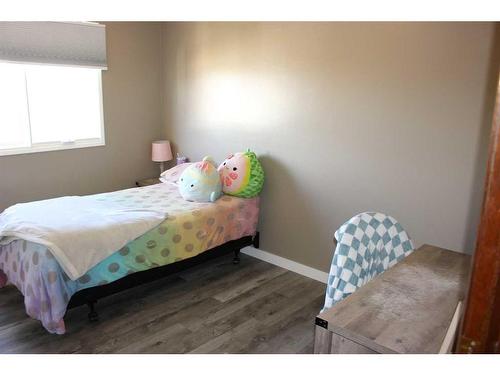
[(189, 229)]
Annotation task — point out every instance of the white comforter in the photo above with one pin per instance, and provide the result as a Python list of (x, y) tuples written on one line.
[(79, 231)]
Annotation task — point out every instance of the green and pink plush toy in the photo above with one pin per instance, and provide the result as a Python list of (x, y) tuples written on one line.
[(242, 175)]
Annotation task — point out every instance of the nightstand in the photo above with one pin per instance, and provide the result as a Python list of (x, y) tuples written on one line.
[(148, 181)]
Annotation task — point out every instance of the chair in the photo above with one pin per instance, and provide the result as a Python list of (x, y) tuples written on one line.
[(367, 245)]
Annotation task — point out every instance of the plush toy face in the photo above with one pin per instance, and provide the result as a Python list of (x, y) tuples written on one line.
[(200, 182), (235, 173), (242, 175)]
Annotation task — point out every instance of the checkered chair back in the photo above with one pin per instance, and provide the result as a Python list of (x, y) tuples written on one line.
[(367, 245)]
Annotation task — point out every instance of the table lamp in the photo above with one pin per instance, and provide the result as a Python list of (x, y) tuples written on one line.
[(161, 152)]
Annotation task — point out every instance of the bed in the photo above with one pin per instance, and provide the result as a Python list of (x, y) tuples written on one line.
[(191, 232)]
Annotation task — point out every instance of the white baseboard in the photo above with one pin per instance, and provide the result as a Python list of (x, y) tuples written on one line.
[(288, 264)]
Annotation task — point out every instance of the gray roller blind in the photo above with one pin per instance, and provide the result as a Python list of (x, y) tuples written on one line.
[(59, 43)]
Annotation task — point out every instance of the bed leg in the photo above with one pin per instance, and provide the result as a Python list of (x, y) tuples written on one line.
[(3, 279), (93, 316), (236, 259), (256, 240)]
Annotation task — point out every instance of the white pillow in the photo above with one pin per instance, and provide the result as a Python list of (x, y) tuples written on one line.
[(172, 175)]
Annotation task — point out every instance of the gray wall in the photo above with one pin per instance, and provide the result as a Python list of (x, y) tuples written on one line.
[(132, 118), (346, 117)]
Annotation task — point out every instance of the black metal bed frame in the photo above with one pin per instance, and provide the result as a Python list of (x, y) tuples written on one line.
[(90, 296)]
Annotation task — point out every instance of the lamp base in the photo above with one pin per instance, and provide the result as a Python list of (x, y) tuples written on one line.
[(162, 167)]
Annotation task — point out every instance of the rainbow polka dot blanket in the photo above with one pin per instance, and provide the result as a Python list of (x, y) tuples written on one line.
[(189, 229)]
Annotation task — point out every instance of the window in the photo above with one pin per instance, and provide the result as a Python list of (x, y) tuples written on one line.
[(49, 107)]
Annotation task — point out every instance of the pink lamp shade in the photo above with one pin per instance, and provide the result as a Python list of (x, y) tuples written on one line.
[(161, 151)]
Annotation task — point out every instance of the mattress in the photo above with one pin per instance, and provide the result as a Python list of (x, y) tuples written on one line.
[(190, 229)]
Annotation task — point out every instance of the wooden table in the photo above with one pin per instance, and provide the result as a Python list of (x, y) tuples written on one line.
[(414, 307)]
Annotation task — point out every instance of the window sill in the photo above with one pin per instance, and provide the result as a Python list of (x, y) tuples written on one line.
[(52, 147)]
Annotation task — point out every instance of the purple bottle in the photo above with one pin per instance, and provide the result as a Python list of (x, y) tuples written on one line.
[(181, 159)]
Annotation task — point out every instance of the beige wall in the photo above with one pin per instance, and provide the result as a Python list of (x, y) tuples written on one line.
[(346, 117), (132, 118)]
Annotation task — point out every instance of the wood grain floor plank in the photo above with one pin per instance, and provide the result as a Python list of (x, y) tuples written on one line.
[(293, 335), (249, 284), (270, 327), (154, 342), (249, 297), (209, 324), (213, 346)]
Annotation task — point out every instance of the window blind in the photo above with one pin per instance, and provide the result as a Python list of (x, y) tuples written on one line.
[(58, 43)]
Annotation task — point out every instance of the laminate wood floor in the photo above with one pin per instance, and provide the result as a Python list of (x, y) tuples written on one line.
[(215, 307)]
